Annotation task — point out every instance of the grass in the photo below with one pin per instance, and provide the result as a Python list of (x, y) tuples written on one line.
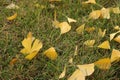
[(39, 21)]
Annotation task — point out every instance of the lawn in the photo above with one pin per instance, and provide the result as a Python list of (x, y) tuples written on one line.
[(37, 16)]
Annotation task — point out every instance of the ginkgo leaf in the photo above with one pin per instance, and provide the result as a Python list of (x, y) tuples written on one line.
[(117, 28), (95, 14), (116, 10), (103, 63), (70, 20), (63, 73), (115, 55), (86, 69), (89, 29), (31, 46), (13, 61), (104, 45), (112, 35), (70, 60), (80, 29), (105, 13), (12, 17), (117, 39), (101, 33), (77, 75), (90, 1), (51, 53), (31, 55), (89, 43), (64, 27), (12, 6), (56, 24)]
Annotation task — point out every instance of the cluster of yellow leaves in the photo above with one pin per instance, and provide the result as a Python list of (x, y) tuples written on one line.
[(103, 13), (32, 47)]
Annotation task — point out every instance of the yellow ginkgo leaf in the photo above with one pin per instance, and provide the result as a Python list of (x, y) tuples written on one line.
[(12, 6), (77, 75), (13, 61), (56, 24), (70, 60), (63, 73), (86, 69), (105, 13), (117, 28), (104, 45), (64, 27), (116, 10), (51, 53), (115, 55), (101, 33), (31, 46), (80, 29), (70, 20), (31, 55), (95, 14), (117, 39), (103, 63), (12, 17), (90, 1), (89, 29), (112, 35), (89, 43)]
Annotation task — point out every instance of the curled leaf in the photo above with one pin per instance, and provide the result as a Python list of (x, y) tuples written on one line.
[(105, 13), (90, 1), (51, 53), (112, 35), (101, 33), (70, 20), (89, 29), (12, 17), (13, 61)]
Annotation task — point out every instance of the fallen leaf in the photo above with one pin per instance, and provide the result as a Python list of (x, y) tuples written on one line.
[(63, 73), (56, 24), (86, 69), (117, 39), (12, 17), (64, 27), (70, 20), (115, 55), (76, 50), (101, 33), (90, 1), (51, 53), (95, 14), (70, 60), (116, 10), (105, 13), (117, 28), (12, 6), (80, 29), (54, 0), (13, 61), (103, 63), (31, 46), (112, 35), (104, 45), (77, 75), (89, 29), (89, 43)]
